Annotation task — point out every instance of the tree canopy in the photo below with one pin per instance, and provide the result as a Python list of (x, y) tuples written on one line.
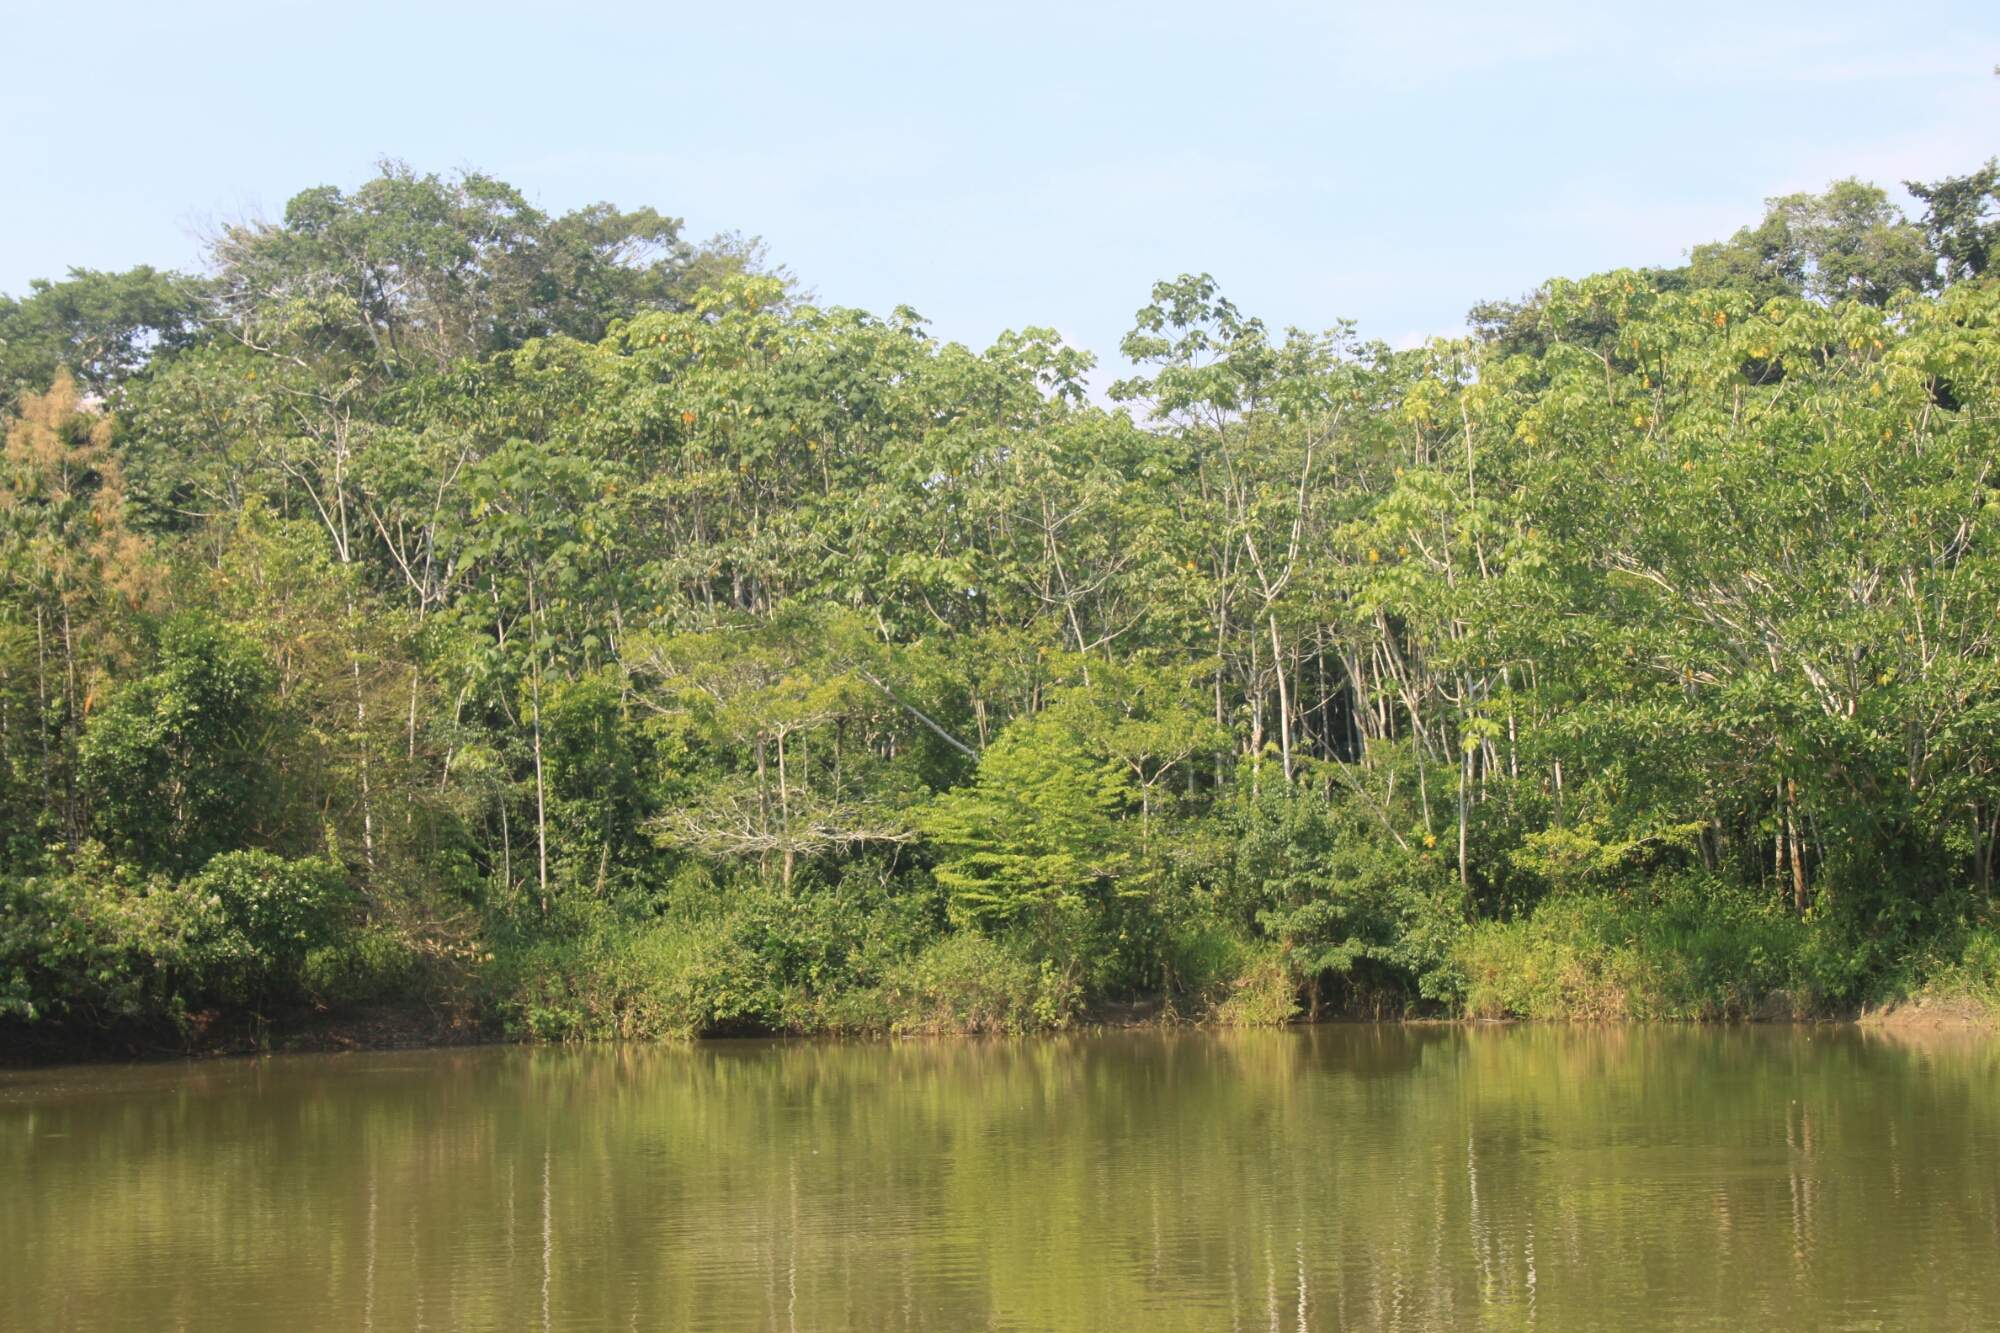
[(557, 613)]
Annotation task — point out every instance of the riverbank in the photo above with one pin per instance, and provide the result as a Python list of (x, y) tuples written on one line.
[(219, 1035), (818, 965), (1926, 1013)]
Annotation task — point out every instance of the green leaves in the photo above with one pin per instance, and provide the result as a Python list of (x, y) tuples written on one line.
[(1849, 243), (1035, 838), (499, 548), (1208, 357), (177, 759)]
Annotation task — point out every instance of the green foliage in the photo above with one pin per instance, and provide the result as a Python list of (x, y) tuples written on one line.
[(638, 980), (1360, 915), (598, 763), (1850, 243), (179, 757), (967, 982), (1034, 841), (1962, 219), (1693, 949), (373, 965), (100, 327), (93, 942), (722, 959), (1971, 978), (276, 911), (1264, 993), (76, 941), (415, 265), (1221, 973), (651, 652)]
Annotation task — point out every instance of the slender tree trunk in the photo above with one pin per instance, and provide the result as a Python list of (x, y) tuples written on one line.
[(1792, 837), (361, 735), (785, 815), (1464, 777), (72, 720), (415, 672), (42, 698), (763, 812), (506, 849), (1284, 702), (1423, 788), (1255, 686), (1221, 665), (1992, 837), (1778, 845), (541, 783)]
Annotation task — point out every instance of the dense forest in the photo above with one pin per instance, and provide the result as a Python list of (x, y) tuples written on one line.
[(441, 604)]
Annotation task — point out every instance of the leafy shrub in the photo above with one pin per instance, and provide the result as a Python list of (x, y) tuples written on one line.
[(374, 964), (1265, 993), (1557, 963), (745, 958), (1695, 948), (1357, 914), (1205, 960), (75, 942), (1959, 979), (177, 760), (97, 940), (277, 909), (612, 979), (969, 982), (1976, 973), (1708, 950)]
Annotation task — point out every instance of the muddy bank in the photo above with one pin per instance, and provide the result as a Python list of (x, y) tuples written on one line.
[(387, 1028), (218, 1033), (1930, 1013)]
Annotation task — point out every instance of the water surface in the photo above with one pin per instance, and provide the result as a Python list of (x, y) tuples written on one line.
[(1341, 1177)]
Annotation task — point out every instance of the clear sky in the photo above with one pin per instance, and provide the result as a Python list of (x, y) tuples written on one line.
[(1011, 163)]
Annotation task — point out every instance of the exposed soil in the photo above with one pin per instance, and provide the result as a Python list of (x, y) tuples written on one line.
[(388, 1027), (215, 1033), (1930, 1013)]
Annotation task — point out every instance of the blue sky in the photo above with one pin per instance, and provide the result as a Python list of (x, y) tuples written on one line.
[(1009, 164)]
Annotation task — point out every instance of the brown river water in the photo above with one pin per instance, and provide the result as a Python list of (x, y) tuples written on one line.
[(1326, 1178)]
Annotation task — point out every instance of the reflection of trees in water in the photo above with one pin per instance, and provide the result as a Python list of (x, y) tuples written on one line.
[(1374, 1176)]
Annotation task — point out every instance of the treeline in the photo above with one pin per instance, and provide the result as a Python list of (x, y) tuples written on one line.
[(551, 618)]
